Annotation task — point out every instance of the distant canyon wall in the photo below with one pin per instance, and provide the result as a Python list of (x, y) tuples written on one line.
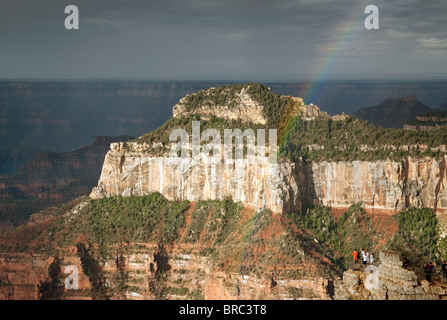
[(385, 186), (58, 176)]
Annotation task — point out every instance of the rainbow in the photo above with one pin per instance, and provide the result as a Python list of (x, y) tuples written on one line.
[(344, 34)]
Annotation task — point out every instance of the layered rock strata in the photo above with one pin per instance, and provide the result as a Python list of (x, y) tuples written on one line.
[(260, 184), (382, 186), (190, 276)]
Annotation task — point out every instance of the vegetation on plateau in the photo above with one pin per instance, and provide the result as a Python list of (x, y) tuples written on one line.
[(355, 139), (417, 236), (432, 118), (321, 139), (117, 220), (352, 230), (277, 110), (275, 105)]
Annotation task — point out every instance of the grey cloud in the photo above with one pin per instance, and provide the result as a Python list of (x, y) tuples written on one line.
[(179, 39)]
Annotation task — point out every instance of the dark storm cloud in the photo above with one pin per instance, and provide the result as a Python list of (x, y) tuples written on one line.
[(233, 39)]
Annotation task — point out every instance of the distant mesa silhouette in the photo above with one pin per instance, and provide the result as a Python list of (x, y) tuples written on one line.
[(394, 112)]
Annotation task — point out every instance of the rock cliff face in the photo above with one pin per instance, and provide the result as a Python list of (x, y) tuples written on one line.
[(382, 186), (388, 281), (19, 276), (129, 173)]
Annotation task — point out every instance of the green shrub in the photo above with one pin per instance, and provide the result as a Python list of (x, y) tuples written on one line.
[(417, 236), (342, 141), (132, 219)]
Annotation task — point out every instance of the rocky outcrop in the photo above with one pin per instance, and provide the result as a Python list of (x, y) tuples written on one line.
[(387, 186), (388, 281), (19, 276), (428, 122), (241, 106), (247, 108)]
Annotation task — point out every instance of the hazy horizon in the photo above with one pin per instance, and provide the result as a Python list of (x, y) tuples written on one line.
[(330, 78)]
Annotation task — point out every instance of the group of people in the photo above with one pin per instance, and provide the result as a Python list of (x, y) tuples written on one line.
[(367, 257), (430, 270)]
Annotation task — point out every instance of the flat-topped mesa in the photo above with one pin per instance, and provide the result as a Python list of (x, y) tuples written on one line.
[(143, 166)]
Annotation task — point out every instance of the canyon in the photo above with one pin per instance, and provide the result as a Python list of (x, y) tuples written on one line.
[(252, 261), (260, 254), (51, 178)]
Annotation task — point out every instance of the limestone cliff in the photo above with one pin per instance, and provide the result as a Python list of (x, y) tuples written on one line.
[(381, 185), (129, 173)]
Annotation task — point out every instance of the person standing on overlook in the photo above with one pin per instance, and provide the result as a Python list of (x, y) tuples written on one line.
[(364, 257), (355, 257), (444, 270), (428, 271)]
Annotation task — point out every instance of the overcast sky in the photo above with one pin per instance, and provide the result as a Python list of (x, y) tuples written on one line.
[(223, 39)]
